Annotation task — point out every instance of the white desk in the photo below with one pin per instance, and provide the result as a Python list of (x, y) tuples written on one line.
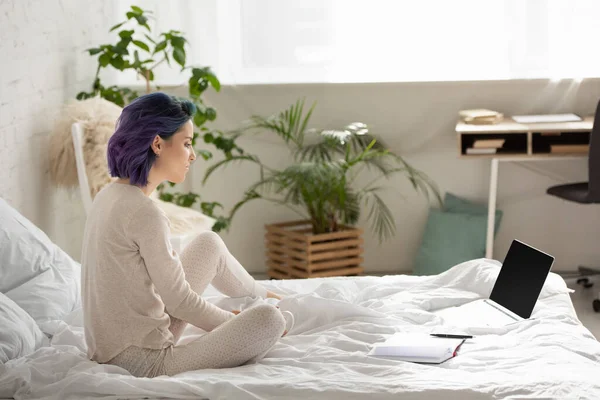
[(531, 143)]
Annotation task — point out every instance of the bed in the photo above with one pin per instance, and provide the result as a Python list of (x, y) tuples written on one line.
[(325, 355)]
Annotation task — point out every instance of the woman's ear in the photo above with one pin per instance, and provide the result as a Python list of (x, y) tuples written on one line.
[(157, 145)]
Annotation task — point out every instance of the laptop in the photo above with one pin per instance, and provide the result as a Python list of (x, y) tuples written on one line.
[(515, 291)]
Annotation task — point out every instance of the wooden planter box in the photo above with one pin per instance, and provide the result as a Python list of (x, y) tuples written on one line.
[(293, 251)]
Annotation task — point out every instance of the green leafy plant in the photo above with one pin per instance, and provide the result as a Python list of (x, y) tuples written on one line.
[(139, 50), (322, 183)]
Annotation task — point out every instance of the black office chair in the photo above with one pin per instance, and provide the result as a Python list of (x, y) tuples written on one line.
[(586, 193)]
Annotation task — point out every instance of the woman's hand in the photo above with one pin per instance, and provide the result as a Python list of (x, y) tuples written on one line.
[(273, 295)]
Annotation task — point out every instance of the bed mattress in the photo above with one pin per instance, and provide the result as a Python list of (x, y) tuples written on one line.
[(325, 355)]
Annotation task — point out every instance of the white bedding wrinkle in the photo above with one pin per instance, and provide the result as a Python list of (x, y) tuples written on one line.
[(325, 356), (19, 334)]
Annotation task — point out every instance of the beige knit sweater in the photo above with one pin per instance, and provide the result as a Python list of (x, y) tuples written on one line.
[(131, 277)]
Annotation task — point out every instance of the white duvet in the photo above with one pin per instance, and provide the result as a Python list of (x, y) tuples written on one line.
[(325, 354)]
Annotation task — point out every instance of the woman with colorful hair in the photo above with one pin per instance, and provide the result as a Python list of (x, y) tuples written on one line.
[(138, 294)]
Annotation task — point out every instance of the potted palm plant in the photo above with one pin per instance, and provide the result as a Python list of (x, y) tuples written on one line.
[(321, 186)]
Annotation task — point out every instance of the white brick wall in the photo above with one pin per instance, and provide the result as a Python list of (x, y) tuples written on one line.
[(42, 65)]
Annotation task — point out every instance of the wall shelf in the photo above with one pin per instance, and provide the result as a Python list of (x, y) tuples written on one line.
[(510, 139)]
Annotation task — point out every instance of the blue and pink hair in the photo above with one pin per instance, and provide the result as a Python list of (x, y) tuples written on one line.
[(129, 152)]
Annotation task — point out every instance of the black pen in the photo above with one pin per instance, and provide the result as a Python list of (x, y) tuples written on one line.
[(451, 336)]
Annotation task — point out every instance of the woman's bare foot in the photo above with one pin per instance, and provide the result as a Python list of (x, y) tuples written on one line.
[(273, 295)]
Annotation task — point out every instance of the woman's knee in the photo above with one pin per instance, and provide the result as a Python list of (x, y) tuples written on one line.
[(205, 251), (267, 316), (209, 238), (207, 242)]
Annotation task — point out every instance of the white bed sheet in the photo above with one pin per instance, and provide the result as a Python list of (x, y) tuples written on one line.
[(325, 355)]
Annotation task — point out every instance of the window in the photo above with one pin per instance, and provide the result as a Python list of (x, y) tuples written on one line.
[(287, 41)]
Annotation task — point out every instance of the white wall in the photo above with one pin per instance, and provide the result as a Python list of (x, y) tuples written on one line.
[(42, 66), (417, 120)]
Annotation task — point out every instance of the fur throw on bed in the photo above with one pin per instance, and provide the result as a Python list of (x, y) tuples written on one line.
[(98, 118)]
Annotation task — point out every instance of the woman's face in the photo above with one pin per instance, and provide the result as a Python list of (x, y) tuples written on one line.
[(175, 155)]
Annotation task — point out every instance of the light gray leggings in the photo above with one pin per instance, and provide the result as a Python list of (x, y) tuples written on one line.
[(243, 338)]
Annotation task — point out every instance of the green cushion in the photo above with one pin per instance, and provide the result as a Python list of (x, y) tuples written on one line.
[(453, 235), (457, 204)]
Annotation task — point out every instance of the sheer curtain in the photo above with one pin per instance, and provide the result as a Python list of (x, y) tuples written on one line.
[(290, 41)]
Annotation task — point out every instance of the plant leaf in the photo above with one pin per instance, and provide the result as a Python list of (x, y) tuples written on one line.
[(214, 81), (104, 59), (226, 161), (126, 34), (210, 113), (117, 26), (83, 95), (94, 51), (199, 117), (177, 41), (290, 124), (319, 152), (382, 220), (136, 57), (142, 20), (248, 196), (118, 63), (179, 56), (205, 154), (141, 45), (196, 85), (350, 208), (121, 47), (208, 207), (160, 46), (222, 223), (302, 128)]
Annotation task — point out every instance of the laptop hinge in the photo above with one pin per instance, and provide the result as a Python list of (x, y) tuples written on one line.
[(503, 311)]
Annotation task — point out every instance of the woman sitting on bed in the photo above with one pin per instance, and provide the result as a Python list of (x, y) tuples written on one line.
[(138, 294)]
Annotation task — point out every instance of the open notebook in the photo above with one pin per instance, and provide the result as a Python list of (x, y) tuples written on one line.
[(417, 347)]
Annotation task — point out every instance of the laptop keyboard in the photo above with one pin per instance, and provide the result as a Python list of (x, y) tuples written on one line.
[(507, 317), (496, 318), (476, 313)]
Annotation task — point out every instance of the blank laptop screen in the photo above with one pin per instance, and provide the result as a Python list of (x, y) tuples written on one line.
[(521, 278)]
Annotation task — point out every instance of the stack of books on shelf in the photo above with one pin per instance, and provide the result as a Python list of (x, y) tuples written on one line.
[(570, 148), (486, 146), (480, 116)]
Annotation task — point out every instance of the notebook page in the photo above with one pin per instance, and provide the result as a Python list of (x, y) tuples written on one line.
[(419, 345)]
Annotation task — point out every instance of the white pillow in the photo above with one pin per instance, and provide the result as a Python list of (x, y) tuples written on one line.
[(19, 334), (51, 295), (35, 273), (24, 248)]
